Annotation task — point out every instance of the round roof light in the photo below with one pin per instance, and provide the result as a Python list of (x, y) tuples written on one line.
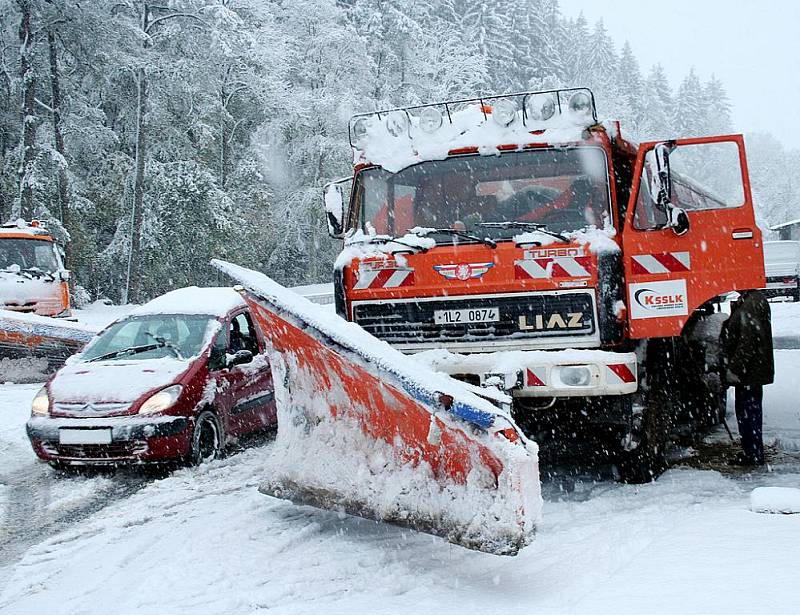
[(504, 111), (540, 107), (359, 130), (581, 103), (397, 123), (430, 120)]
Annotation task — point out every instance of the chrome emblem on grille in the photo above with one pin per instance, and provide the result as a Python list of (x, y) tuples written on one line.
[(463, 271)]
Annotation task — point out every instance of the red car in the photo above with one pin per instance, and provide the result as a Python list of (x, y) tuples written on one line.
[(176, 380)]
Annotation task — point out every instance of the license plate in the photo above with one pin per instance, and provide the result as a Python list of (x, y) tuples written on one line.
[(457, 317), (84, 436)]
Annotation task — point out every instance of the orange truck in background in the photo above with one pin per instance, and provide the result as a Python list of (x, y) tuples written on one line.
[(32, 275), (517, 242)]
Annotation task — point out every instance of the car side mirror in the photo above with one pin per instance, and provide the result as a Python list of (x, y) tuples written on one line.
[(240, 357), (334, 206)]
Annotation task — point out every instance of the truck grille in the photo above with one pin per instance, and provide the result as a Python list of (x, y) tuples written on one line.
[(529, 316)]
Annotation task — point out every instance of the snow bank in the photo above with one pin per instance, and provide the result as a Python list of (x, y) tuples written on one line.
[(784, 500)]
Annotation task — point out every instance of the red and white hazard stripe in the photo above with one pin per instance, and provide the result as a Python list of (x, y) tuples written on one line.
[(536, 377), (664, 262), (558, 267), (620, 373), (384, 278)]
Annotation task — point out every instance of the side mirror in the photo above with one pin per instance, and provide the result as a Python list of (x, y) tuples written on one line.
[(334, 206), (240, 357), (661, 179), (678, 220), (64, 275)]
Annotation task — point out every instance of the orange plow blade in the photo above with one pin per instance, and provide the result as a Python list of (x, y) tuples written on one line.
[(366, 430), (32, 346)]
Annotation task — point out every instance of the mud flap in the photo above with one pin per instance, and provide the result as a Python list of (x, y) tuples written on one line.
[(37, 345), (366, 430)]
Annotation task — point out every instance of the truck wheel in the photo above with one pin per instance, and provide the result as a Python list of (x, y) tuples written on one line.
[(206, 439)]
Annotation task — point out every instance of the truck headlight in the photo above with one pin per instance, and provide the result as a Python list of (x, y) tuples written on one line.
[(160, 401), (41, 403), (575, 375)]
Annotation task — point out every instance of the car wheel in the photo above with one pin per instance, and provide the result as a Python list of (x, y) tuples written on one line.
[(206, 439)]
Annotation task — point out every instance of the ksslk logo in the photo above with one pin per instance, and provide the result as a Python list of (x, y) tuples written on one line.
[(659, 299), (463, 271)]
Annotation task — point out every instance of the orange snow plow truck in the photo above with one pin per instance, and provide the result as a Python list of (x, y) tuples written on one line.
[(33, 287), (516, 279), (517, 242)]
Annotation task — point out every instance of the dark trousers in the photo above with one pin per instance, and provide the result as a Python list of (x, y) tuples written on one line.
[(749, 417)]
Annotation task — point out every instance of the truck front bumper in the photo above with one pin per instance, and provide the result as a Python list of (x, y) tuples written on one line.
[(541, 373)]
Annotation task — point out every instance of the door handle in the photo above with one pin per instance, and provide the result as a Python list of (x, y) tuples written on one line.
[(742, 233)]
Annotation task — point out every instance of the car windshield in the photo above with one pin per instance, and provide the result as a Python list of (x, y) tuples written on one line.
[(562, 189), (152, 337), (28, 254)]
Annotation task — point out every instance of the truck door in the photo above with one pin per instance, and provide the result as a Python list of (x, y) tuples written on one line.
[(669, 275)]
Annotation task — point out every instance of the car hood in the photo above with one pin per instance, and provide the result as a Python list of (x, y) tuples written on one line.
[(116, 381)]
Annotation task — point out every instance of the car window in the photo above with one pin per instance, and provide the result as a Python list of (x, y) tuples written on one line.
[(242, 335), (169, 335)]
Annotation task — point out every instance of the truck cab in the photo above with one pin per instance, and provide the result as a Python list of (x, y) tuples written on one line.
[(32, 275), (517, 241)]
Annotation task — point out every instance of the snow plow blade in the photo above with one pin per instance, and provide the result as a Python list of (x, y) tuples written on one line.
[(367, 430), (32, 346)]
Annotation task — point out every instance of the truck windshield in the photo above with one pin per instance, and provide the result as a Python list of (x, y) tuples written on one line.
[(152, 337), (28, 254), (562, 189)]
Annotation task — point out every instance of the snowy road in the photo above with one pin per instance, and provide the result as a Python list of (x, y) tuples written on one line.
[(205, 541)]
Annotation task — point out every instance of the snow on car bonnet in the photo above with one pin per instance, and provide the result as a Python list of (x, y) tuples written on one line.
[(115, 381), (216, 301)]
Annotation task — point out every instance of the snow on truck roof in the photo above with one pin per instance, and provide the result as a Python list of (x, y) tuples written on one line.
[(20, 228), (214, 301), (398, 138)]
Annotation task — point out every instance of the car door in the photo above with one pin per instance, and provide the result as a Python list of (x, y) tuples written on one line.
[(669, 275), (245, 391)]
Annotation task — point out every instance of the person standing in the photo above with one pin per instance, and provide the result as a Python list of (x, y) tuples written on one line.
[(749, 365)]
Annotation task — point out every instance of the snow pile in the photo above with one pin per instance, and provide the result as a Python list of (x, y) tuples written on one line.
[(785, 500), (470, 127)]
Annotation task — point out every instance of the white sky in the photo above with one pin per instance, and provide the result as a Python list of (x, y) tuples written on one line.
[(752, 46)]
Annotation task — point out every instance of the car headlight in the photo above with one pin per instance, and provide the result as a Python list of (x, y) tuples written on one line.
[(41, 403), (160, 401), (575, 375)]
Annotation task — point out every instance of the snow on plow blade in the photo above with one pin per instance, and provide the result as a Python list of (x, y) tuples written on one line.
[(31, 345), (366, 430)]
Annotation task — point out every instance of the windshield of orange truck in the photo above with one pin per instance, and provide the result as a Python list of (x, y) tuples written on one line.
[(564, 189), (27, 255)]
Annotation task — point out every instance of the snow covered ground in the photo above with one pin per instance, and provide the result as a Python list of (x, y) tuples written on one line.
[(205, 541)]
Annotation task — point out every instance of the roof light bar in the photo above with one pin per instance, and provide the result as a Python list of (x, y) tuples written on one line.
[(536, 108)]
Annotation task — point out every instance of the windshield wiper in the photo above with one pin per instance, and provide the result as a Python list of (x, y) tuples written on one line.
[(533, 226), (451, 231), (126, 351), (384, 239), (166, 344)]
